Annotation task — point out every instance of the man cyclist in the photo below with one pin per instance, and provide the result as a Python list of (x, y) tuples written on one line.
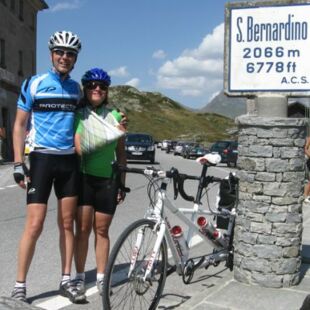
[(49, 102)]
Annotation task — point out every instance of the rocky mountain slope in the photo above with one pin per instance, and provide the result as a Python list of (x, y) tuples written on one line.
[(227, 106)]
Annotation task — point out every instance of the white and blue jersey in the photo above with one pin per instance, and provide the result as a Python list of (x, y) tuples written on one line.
[(52, 103)]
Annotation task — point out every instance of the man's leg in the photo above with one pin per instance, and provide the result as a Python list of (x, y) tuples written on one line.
[(66, 216), (34, 224)]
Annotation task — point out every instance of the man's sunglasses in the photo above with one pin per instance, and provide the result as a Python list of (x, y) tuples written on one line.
[(94, 85), (61, 53)]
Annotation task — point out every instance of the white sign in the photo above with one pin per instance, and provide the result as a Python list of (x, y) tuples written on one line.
[(268, 49)]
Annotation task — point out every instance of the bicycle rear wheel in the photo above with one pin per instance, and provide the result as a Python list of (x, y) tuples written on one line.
[(122, 291)]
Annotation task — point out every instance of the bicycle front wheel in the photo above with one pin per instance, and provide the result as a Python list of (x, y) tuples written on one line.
[(124, 283)]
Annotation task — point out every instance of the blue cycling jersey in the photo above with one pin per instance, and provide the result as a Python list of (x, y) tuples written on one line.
[(52, 103)]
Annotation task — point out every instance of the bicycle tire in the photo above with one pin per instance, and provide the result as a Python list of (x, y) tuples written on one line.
[(121, 292)]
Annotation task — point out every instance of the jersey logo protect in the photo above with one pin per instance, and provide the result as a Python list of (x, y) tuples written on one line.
[(48, 89)]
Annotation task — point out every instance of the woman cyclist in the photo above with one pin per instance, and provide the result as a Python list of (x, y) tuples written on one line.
[(99, 193)]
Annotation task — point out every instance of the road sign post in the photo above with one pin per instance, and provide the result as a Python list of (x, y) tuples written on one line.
[(267, 47)]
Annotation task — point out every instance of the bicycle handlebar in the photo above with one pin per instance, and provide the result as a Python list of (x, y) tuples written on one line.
[(173, 173)]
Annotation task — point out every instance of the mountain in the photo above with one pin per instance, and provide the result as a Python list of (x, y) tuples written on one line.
[(164, 118), (227, 106)]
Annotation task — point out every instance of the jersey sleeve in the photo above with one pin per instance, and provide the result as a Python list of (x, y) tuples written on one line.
[(25, 99)]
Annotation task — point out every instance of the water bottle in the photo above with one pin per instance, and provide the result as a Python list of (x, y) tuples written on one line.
[(206, 227), (180, 242), (220, 238)]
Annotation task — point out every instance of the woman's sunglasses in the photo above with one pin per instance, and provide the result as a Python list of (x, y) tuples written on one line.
[(94, 85), (61, 53)]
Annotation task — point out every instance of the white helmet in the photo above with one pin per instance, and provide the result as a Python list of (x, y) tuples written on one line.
[(65, 39)]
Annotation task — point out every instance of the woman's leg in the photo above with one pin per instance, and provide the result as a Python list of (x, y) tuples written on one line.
[(102, 223), (84, 225)]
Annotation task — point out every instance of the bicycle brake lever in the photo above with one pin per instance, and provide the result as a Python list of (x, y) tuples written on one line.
[(175, 189), (175, 174)]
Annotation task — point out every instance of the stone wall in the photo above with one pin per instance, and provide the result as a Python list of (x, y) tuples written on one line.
[(269, 216)]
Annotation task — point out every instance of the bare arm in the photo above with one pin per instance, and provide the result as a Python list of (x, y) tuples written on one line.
[(121, 156), (77, 143), (19, 135)]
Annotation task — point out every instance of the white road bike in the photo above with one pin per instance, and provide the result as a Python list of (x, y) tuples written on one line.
[(138, 264)]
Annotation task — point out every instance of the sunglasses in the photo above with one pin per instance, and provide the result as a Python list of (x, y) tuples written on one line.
[(94, 85), (69, 54)]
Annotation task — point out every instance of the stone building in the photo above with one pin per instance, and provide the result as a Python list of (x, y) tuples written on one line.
[(18, 32)]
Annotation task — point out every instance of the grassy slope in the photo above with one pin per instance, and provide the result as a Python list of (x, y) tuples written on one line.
[(166, 119)]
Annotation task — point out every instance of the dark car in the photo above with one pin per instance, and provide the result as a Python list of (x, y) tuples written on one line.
[(232, 154), (171, 146), (140, 146), (195, 152), (221, 147)]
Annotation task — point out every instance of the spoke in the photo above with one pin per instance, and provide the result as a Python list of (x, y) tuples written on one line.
[(133, 292)]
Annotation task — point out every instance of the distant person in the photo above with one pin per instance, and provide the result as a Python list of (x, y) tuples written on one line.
[(307, 186), (99, 191), (2, 138), (50, 100)]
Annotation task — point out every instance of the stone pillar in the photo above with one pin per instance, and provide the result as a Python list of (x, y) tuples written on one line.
[(269, 216), (271, 105)]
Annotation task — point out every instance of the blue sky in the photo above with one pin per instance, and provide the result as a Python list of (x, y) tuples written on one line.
[(170, 46)]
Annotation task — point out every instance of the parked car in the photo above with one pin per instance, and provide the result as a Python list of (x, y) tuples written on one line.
[(182, 145), (140, 146), (232, 154), (171, 146), (164, 144), (178, 148), (195, 152), (221, 147)]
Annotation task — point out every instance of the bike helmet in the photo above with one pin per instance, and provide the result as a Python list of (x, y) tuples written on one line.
[(65, 39), (96, 74)]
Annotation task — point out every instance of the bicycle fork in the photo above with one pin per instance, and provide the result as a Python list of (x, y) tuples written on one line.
[(151, 259)]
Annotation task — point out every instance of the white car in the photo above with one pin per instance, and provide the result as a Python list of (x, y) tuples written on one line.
[(164, 144)]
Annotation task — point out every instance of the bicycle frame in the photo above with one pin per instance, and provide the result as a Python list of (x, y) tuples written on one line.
[(138, 264), (163, 227)]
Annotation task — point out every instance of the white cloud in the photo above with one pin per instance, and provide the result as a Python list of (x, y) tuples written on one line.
[(159, 54), (133, 82), (196, 72), (119, 72), (212, 45), (69, 5)]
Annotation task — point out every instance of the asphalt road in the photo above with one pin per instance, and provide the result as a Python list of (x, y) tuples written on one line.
[(44, 274)]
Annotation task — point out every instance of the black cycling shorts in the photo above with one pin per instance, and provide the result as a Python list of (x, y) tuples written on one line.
[(47, 170), (98, 192)]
